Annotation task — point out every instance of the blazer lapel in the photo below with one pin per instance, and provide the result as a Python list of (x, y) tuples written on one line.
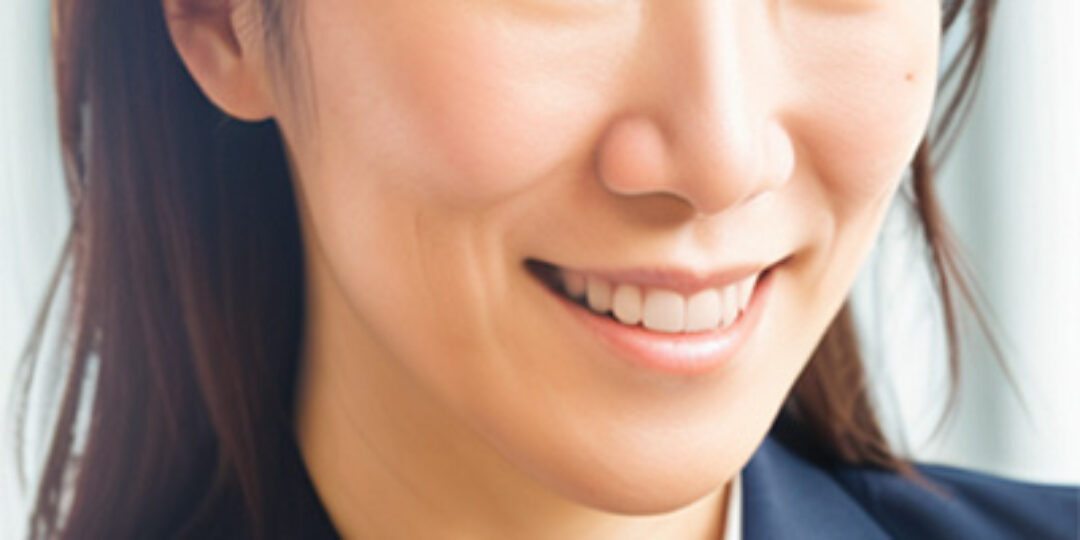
[(785, 496)]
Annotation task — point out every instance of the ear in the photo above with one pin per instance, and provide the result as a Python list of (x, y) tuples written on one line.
[(219, 42)]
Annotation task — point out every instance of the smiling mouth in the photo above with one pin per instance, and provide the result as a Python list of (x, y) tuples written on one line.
[(656, 308)]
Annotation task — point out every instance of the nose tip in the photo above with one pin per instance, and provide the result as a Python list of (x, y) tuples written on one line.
[(709, 173)]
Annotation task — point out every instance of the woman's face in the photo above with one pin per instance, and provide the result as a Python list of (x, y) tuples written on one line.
[(449, 142)]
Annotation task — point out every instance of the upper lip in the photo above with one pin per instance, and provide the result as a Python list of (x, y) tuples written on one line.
[(685, 281)]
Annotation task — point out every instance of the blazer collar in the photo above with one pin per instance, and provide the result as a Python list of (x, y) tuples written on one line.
[(786, 496)]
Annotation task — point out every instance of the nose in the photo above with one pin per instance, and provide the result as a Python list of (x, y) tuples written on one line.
[(713, 134)]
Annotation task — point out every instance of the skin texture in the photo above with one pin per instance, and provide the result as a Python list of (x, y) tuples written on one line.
[(441, 143)]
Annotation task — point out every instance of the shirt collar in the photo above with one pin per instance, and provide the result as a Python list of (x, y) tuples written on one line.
[(733, 513)]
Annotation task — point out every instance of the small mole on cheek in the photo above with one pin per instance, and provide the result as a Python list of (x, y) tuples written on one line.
[(909, 77)]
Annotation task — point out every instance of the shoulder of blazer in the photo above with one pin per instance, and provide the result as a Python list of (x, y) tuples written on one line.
[(963, 503), (787, 495)]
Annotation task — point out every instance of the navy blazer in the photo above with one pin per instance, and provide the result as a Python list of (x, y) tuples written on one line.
[(787, 495)]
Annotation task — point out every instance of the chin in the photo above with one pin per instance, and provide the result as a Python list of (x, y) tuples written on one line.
[(641, 479), (650, 490)]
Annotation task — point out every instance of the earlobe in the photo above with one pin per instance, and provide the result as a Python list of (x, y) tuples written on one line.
[(226, 64)]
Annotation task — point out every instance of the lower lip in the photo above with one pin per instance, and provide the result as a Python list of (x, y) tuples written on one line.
[(693, 353)]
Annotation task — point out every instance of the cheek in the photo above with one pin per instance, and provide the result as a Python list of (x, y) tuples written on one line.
[(865, 96), (466, 109)]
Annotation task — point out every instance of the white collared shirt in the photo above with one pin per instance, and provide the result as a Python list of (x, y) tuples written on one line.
[(733, 512)]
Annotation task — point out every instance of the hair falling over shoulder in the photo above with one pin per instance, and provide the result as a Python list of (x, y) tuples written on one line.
[(183, 324)]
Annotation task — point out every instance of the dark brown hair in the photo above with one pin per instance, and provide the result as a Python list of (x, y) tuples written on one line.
[(186, 298)]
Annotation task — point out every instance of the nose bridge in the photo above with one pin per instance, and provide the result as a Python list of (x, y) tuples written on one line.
[(715, 140), (710, 137), (710, 99)]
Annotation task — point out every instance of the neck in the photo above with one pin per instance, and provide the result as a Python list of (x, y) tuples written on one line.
[(389, 462)]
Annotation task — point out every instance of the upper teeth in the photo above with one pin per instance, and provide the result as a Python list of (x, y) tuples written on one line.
[(659, 309)]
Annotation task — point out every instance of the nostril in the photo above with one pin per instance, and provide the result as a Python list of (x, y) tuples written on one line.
[(632, 159), (713, 162)]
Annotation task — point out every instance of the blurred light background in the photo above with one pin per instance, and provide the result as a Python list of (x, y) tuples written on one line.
[(1012, 189)]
